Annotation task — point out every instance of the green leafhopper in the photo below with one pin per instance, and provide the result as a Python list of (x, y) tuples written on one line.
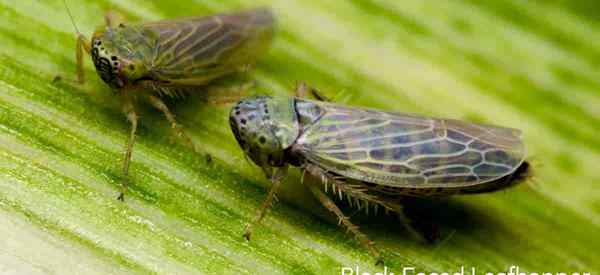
[(372, 158), (164, 58)]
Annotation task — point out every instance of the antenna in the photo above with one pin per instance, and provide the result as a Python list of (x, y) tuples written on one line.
[(71, 17)]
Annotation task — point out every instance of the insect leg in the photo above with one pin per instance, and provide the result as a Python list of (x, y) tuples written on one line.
[(302, 90), (161, 106), (358, 191), (113, 19), (407, 222), (82, 44), (276, 178), (345, 221), (132, 117)]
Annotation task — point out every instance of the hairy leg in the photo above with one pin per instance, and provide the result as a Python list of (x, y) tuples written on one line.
[(344, 221), (82, 44), (161, 106), (132, 117), (408, 224), (276, 178), (358, 196)]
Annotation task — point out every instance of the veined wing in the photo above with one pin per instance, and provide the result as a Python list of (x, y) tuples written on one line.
[(194, 50), (401, 150)]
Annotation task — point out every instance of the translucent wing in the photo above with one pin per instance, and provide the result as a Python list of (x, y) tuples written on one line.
[(194, 50), (401, 150)]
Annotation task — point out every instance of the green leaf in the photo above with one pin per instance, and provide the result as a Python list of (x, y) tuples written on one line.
[(531, 65)]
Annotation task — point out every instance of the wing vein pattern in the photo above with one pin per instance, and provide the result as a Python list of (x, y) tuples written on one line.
[(408, 151)]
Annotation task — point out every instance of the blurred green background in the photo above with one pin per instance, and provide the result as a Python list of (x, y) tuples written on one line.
[(531, 65)]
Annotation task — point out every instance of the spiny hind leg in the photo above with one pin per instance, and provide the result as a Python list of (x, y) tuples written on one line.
[(132, 117), (161, 106), (408, 224), (342, 219), (83, 44), (276, 178), (302, 90), (357, 195)]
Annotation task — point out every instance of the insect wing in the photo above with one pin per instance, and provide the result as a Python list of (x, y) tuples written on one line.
[(195, 50), (401, 150)]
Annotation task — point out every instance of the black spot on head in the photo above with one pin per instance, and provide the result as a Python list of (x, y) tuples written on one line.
[(107, 70), (113, 58), (262, 140), (237, 113), (243, 121), (251, 117), (131, 67), (98, 42)]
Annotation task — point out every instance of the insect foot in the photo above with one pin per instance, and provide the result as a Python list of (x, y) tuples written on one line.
[(247, 232), (379, 261)]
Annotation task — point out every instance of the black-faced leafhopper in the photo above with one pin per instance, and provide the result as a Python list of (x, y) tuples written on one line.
[(373, 158), (165, 58)]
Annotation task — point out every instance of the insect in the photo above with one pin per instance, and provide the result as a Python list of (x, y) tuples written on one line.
[(166, 58), (372, 158)]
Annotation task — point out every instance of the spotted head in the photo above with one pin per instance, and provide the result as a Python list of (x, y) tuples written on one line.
[(118, 60), (264, 127)]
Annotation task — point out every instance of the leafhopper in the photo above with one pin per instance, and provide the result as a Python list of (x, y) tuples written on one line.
[(373, 158), (147, 61)]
